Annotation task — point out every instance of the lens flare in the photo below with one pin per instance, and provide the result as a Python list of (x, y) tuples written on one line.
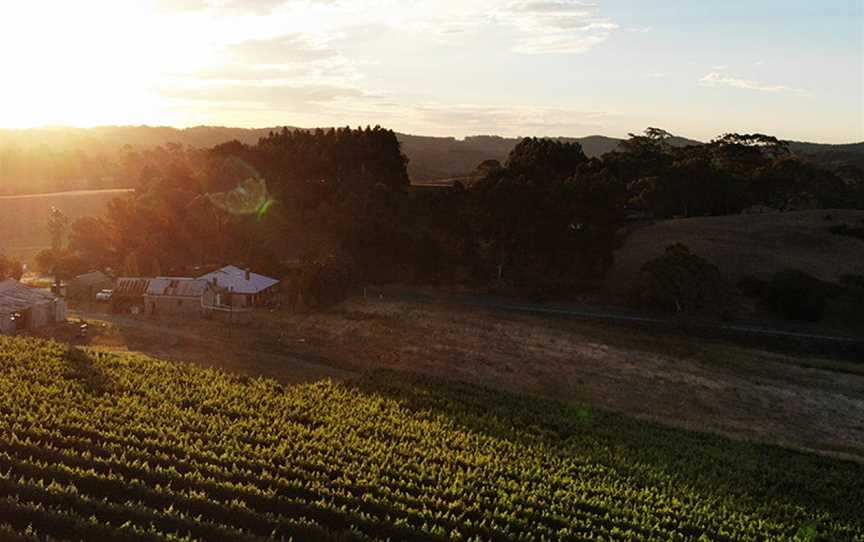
[(250, 197)]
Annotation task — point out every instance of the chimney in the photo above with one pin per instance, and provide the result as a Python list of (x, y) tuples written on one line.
[(248, 275)]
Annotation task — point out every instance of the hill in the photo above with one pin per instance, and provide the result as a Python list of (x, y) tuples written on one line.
[(105, 447), (91, 157), (446, 157), (103, 138), (755, 244), (831, 155)]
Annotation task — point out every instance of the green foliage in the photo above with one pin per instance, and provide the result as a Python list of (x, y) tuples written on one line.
[(753, 287), (682, 282), (295, 192), (796, 295), (848, 305), (730, 174), (848, 231), (10, 268), (545, 160), (97, 446), (324, 281), (62, 264), (58, 224), (547, 218)]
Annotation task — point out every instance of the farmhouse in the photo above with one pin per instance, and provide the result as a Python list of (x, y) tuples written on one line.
[(24, 308), (244, 288), (174, 295), (86, 286)]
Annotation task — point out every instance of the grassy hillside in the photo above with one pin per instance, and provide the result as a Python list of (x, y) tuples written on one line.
[(104, 447), (758, 245)]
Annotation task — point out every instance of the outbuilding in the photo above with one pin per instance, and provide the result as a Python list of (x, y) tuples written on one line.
[(25, 309), (174, 295), (86, 286), (128, 294)]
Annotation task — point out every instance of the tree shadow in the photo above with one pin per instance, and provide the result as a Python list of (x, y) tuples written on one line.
[(757, 476), (80, 368)]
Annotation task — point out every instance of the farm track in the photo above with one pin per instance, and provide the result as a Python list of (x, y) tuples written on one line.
[(340, 369)]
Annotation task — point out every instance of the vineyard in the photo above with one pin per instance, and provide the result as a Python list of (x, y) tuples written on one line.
[(98, 446)]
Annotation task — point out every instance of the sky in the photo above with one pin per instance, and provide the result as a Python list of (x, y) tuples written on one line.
[(791, 68)]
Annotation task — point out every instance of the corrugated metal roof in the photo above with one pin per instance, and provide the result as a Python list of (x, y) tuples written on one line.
[(234, 278), (131, 286), (176, 287), (15, 296)]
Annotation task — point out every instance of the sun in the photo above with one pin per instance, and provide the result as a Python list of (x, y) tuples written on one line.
[(87, 63)]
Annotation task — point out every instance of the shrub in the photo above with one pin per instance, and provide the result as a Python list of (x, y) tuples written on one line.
[(849, 304), (795, 295), (682, 282), (325, 281), (846, 230), (752, 287)]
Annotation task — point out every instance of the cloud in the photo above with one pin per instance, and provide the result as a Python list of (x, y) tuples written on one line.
[(297, 58), (288, 48), (277, 96), (555, 26), (655, 75), (720, 79), (289, 74), (252, 7)]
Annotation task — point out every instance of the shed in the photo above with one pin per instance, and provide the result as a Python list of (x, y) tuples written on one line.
[(24, 308), (246, 289), (129, 293), (86, 286), (174, 295)]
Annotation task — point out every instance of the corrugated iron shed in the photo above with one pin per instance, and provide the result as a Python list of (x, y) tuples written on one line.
[(131, 286), (15, 297), (176, 287)]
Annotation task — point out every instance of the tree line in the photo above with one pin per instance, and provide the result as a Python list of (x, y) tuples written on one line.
[(337, 206)]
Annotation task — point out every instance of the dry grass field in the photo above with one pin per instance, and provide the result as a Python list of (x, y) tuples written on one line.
[(801, 402), (23, 219), (758, 244)]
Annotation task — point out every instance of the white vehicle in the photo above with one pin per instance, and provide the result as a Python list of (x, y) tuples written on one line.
[(104, 295)]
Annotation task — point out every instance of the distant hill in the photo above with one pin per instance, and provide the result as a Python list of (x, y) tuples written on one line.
[(431, 158), (831, 155), (446, 157), (103, 137)]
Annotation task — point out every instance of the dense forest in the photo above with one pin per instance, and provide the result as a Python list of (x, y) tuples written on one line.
[(337, 206)]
